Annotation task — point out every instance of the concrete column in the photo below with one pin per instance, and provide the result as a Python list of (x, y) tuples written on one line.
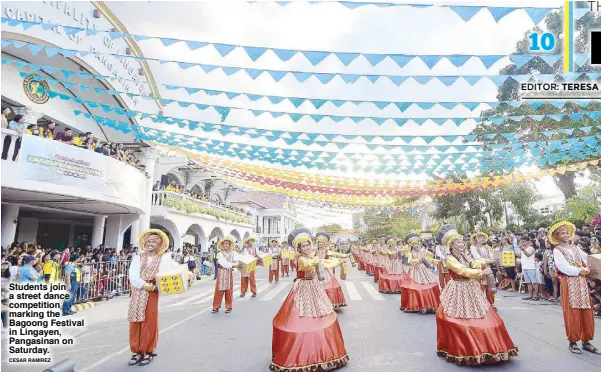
[(98, 231), (114, 233), (28, 229), (71, 234), (135, 233), (10, 213), (151, 156)]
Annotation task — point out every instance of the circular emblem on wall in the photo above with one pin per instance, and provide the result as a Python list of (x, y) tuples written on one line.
[(36, 90)]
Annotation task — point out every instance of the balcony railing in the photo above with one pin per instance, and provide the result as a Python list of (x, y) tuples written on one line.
[(170, 199)]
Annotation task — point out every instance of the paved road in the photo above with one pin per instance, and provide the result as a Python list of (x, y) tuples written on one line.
[(378, 336)]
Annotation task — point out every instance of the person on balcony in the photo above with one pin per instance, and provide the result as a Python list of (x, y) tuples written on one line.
[(5, 114), (66, 136), (78, 141), (18, 125), (49, 130), (34, 130)]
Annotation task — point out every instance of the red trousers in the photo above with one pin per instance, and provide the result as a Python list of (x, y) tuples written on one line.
[(285, 269), (218, 297), (250, 279), (274, 274), (580, 323), (144, 336)]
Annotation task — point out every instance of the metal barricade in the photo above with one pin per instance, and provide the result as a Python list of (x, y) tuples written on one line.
[(102, 280)]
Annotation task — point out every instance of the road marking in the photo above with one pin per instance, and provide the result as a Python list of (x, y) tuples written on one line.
[(274, 292), (193, 298), (372, 291), (352, 291), (259, 290)]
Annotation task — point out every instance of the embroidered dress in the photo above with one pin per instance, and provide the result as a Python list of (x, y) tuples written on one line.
[(392, 281), (420, 292), (331, 285), (469, 331), (306, 333)]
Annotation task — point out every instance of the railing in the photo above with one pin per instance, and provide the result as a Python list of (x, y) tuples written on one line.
[(159, 198), (102, 280), (9, 140)]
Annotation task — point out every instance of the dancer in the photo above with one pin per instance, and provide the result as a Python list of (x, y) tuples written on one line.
[(306, 333), (329, 282), (143, 312), (370, 266), (469, 330), (481, 252), (249, 250), (570, 266), (392, 281), (274, 268), (285, 262), (420, 289), (443, 272), (227, 260), (382, 257)]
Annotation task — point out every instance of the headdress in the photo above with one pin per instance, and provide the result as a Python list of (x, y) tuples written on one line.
[(447, 234), (249, 239), (570, 226), (380, 237), (298, 236), (374, 240), (274, 240), (412, 237), (391, 240), (322, 237), (475, 236), (230, 238), (144, 236)]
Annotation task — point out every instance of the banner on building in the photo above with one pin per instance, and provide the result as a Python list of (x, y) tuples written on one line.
[(59, 164)]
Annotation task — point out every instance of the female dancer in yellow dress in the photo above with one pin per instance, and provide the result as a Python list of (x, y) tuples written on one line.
[(420, 292), (392, 281), (469, 330), (306, 333), (330, 283)]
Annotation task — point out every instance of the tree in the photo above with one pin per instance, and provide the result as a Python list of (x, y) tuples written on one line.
[(331, 229), (528, 129), (477, 208), (397, 224), (298, 225), (521, 196), (582, 208)]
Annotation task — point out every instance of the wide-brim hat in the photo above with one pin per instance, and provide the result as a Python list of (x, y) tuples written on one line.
[(144, 236), (274, 240), (374, 240), (412, 237), (479, 233), (391, 240), (298, 236), (322, 237), (249, 239), (570, 226), (231, 239)]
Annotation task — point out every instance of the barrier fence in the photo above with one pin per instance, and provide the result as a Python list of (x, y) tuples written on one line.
[(102, 280)]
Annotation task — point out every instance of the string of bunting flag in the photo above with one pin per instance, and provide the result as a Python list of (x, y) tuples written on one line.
[(580, 59), (297, 102), (314, 57)]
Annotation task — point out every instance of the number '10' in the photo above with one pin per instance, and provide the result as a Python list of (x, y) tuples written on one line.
[(545, 41)]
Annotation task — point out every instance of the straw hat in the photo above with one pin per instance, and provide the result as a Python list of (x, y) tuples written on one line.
[(230, 238), (570, 226), (146, 234), (476, 235)]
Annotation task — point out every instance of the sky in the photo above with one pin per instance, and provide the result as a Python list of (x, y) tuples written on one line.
[(328, 27)]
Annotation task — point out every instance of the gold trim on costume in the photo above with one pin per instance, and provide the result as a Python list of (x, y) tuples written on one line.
[(300, 238), (483, 358), (557, 225), (144, 235), (475, 235), (450, 236), (322, 366)]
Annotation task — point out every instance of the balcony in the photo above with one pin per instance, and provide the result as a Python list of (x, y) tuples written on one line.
[(51, 174), (189, 205)]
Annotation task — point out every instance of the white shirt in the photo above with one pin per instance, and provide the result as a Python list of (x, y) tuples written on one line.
[(134, 269), (527, 262), (562, 264), (223, 262), (476, 255), (441, 253)]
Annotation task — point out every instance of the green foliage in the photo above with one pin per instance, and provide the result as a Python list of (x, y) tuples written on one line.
[(581, 208), (395, 224), (528, 129), (190, 207), (298, 225), (478, 208), (331, 229)]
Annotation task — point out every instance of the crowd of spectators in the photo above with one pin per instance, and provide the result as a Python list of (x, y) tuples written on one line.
[(49, 131)]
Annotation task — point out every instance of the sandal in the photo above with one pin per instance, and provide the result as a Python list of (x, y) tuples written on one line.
[(214, 311), (574, 348), (147, 359), (227, 311), (590, 348), (135, 359), (254, 295)]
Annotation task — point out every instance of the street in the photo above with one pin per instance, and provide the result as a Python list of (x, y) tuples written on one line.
[(378, 336)]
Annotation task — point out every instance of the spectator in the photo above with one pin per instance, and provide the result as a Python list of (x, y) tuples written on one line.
[(78, 141), (34, 130), (18, 125), (113, 150), (27, 273), (49, 130), (65, 136), (72, 280), (65, 256), (104, 149), (88, 141), (529, 268), (51, 268), (5, 114)]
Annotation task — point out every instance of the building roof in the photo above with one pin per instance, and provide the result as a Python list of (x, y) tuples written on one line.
[(262, 199)]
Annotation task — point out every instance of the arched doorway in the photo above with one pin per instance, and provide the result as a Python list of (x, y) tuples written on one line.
[(216, 234), (168, 227), (236, 235), (198, 235)]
